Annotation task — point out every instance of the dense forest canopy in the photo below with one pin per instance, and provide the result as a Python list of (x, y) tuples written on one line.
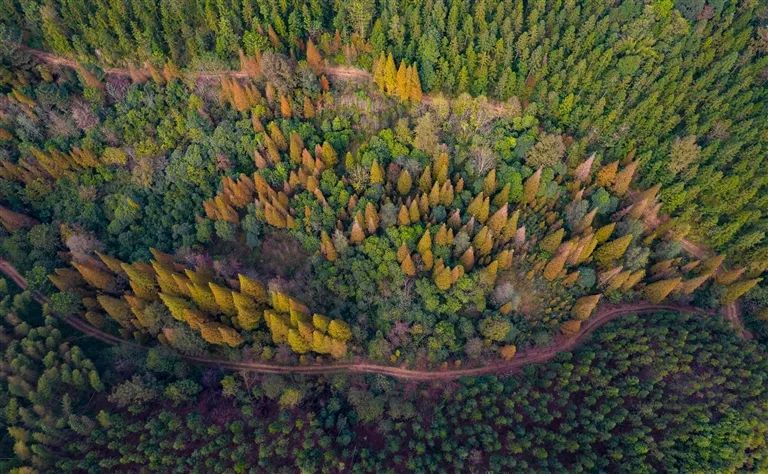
[(260, 236)]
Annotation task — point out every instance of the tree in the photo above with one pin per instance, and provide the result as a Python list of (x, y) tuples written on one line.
[(551, 242), (548, 151), (340, 330), (585, 306), (656, 292), (404, 182), (407, 266), (531, 187), (612, 251), (738, 289), (390, 75), (495, 329), (443, 279), (314, 59)]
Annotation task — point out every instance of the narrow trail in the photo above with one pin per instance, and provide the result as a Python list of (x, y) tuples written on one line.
[(536, 355)]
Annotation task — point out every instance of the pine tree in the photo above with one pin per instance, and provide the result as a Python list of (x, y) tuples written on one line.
[(404, 182), (142, 280), (329, 155), (96, 277), (356, 235), (612, 251), (414, 86), (624, 179), (327, 248), (657, 291), (371, 218), (604, 233), (425, 243), (555, 266), (248, 313), (531, 187), (443, 279), (722, 277), (223, 298), (551, 242), (403, 216), (253, 288), (402, 82), (467, 259), (607, 174), (376, 174), (314, 59), (298, 344), (116, 308), (340, 330), (633, 280), (736, 290), (570, 328), (379, 66), (390, 75)]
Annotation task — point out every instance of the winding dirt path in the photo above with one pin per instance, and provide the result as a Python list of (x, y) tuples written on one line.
[(536, 355)]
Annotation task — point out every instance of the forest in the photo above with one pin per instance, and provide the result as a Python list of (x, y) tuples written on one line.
[(382, 236)]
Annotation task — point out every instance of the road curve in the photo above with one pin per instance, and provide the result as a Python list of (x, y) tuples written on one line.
[(535, 355)]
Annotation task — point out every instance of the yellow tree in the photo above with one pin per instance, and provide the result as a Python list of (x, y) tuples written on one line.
[(414, 86), (402, 82), (738, 289), (657, 291), (585, 306), (390, 75), (531, 187), (404, 182), (314, 59), (613, 250)]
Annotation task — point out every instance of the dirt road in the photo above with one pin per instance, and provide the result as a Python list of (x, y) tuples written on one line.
[(536, 355)]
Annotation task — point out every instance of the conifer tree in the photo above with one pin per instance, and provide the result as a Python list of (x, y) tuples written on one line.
[(624, 179), (390, 75), (96, 277), (656, 292), (253, 288), (340, 330), (551, 242), (739, 289), (379, 66), (248, 313), (414, 85), (443, 279), (223, 298), (314, 59), (376, 174), (607, 174), (404, 182), (403, 216), (570, 328), (402, 82), (531, 187), (298, 344), (604, 233), (14, 221), (116, 308), (371, 218), (612, 251), (327, 248), (356, 235), (468, 259), (555, 266)]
